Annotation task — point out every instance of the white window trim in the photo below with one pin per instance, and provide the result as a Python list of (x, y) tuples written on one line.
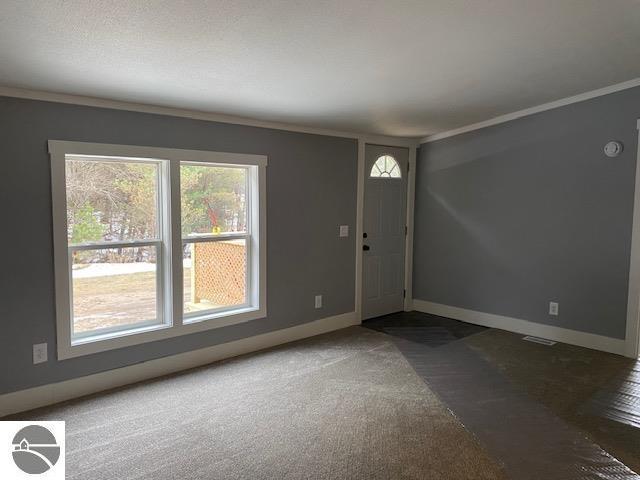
[(173, 325)]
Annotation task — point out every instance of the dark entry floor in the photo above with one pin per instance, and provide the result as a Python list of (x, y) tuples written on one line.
[(428, 330), (533, 406)]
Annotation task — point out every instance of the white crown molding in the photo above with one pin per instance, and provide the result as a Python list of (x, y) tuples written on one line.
[(43, 395), (532, 110), (200, 115), (525, 327)]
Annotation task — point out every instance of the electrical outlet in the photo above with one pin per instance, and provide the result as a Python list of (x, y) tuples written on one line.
[(553, 308), (39, 353), (344, 230), (318, 301)]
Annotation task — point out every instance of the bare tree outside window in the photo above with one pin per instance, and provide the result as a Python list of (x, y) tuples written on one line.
[(110, 201)]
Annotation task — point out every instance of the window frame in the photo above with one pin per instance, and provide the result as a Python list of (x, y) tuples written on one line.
[(159, 243), (171, 242), (250, 244)]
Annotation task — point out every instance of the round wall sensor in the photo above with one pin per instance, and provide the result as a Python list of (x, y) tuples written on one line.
[(613, 149)]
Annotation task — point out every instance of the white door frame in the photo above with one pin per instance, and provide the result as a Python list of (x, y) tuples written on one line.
[(632, 338), (412, 145)]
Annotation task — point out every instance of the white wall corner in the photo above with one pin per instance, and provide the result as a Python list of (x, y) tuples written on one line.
[(633, 295)]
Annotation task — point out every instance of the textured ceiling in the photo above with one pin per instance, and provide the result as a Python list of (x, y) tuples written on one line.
[(407, 68)]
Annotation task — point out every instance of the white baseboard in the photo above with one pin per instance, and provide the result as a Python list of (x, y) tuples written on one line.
[(35, 397), (573, 337)]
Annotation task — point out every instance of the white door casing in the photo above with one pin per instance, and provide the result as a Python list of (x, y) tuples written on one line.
[(384, 230)]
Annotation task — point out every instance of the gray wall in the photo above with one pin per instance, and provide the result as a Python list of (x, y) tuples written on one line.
[(310, 191), (515, 215)]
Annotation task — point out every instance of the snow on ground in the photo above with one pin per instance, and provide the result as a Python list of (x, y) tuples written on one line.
[(107, 269)]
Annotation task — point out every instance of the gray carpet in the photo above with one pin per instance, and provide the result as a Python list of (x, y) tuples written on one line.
[(344, 405)]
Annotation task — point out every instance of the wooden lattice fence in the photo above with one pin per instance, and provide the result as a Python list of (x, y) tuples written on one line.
[(218, 273)]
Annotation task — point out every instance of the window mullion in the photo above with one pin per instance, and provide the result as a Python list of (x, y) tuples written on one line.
[(174, 240)]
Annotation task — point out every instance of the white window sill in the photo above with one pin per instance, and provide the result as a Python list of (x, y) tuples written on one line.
[(150, 333), (221, 317), (101, 337)]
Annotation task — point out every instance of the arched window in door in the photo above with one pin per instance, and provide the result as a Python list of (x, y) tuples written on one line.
[(387, 167)]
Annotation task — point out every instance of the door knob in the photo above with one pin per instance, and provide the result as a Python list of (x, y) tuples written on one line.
[(366, 247)]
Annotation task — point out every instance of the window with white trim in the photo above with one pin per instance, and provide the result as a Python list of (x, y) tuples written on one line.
[(151, 243), (217, 237), (116, 244)]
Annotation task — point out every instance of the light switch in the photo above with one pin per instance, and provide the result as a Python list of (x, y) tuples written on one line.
[(344, 230)]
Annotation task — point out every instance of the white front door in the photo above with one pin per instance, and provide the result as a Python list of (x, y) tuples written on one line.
[(385, 195)]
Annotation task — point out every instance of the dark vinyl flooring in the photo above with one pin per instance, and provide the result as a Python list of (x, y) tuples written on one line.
[(553, 412)]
